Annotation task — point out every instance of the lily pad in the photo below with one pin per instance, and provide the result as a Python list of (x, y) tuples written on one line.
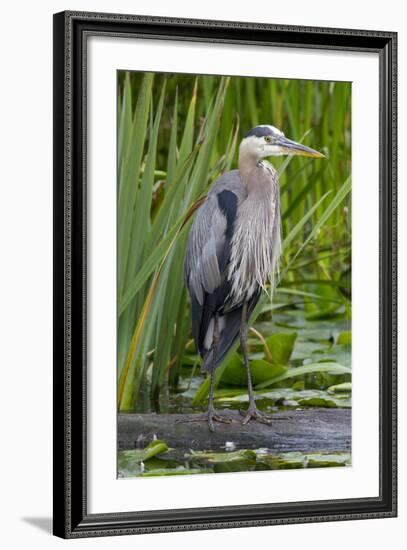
[(260, 369), (287, 461), (341, 353), (239, 466), (344, 337), (141, 455), (328, 460), (281, 345), (179, 471), (340, 388), (308, 350), (231, 456), (286, 397), (317, 402), (298, 460)]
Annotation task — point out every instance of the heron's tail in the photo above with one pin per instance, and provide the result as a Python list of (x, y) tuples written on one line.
[(229, 326)]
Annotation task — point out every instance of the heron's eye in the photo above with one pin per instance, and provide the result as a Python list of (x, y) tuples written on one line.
[(267, 139)]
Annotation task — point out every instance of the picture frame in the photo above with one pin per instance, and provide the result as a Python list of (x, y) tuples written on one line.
[(71, 33)]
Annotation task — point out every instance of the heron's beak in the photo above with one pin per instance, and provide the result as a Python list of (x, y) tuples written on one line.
[(289, 147)]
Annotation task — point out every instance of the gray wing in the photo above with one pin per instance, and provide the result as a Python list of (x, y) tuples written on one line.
[(205, 254), (206, 240)]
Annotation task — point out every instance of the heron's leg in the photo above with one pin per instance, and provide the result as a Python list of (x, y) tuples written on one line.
[(215, 342), (252, 411), (211, 414)]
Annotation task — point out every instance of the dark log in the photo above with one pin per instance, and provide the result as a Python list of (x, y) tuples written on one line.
[(310, 430)]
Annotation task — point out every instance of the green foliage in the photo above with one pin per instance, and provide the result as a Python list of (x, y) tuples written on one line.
[(131, 462), (293, 372), (287, 398), (235, 372), (341, 388), (176, 135), (281, 345), (205, 462), (140, 455), (228, 456)]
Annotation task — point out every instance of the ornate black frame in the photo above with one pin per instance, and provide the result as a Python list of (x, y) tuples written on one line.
[(71, 30)]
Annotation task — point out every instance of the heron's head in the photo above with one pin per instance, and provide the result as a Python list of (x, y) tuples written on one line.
[(267, 141)]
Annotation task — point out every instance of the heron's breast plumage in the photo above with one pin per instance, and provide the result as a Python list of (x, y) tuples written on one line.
[(256, 244)]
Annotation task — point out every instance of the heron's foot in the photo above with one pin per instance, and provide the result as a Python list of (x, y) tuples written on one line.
[(253, 413), (210, 416)]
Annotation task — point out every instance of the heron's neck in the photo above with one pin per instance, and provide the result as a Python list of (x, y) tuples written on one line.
[(255, 173), (248, 166)]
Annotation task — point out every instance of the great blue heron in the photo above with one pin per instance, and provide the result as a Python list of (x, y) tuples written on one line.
[(233, 249)]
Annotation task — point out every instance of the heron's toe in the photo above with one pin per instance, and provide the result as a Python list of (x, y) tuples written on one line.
[(265, 419), (223, 419), (253, 413)]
